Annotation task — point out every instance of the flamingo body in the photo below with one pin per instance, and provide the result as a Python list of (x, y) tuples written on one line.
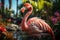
[(34, 25), (40, 26)]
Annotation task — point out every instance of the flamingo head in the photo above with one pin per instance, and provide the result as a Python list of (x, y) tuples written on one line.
[(26, 6)]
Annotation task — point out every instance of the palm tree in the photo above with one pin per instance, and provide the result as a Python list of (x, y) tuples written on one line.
[(2, 6), (17, 8), (10, 4)]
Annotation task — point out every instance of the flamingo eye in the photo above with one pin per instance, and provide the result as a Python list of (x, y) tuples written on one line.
[(25, 7)]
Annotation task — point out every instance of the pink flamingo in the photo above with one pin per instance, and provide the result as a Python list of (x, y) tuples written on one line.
[(34, 25)]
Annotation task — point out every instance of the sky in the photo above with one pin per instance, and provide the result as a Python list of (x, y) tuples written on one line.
[(14, 5)]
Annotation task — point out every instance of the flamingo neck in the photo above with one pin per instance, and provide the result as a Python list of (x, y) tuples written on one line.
[(24, 21), (27, 15)]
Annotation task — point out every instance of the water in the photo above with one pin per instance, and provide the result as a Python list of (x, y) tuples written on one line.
[(19, 35)]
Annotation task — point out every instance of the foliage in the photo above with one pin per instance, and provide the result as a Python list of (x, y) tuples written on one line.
[(39, 4), (44, 9), (56, 5)]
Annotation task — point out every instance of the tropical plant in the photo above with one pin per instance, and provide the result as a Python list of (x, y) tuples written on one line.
[(39, 5), (56, 5)]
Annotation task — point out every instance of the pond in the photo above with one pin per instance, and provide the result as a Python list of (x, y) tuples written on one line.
[(19, 35)]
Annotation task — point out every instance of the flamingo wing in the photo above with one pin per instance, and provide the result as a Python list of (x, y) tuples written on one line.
[(34, 25), (37, 25)]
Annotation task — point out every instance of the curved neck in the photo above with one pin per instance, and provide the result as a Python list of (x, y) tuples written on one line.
[(24, 21), (27, 15)]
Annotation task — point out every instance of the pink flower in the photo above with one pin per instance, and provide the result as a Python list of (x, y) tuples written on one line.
[(57, 14), (54, 20)]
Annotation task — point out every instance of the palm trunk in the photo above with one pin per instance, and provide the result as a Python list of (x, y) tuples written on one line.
[(10, 3), (2, 6), (2, 10), (17, 8)]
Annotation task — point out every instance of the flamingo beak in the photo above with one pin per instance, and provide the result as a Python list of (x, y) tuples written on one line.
[(22, 9)]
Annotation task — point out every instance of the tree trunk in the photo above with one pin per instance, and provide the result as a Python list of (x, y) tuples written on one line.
[(2, 6), (10, 3), (17, 8)]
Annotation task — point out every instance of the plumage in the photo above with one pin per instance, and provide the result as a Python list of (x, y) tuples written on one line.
[(34, 25)]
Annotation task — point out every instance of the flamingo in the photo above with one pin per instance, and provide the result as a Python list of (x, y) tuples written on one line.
[(34, 25)]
